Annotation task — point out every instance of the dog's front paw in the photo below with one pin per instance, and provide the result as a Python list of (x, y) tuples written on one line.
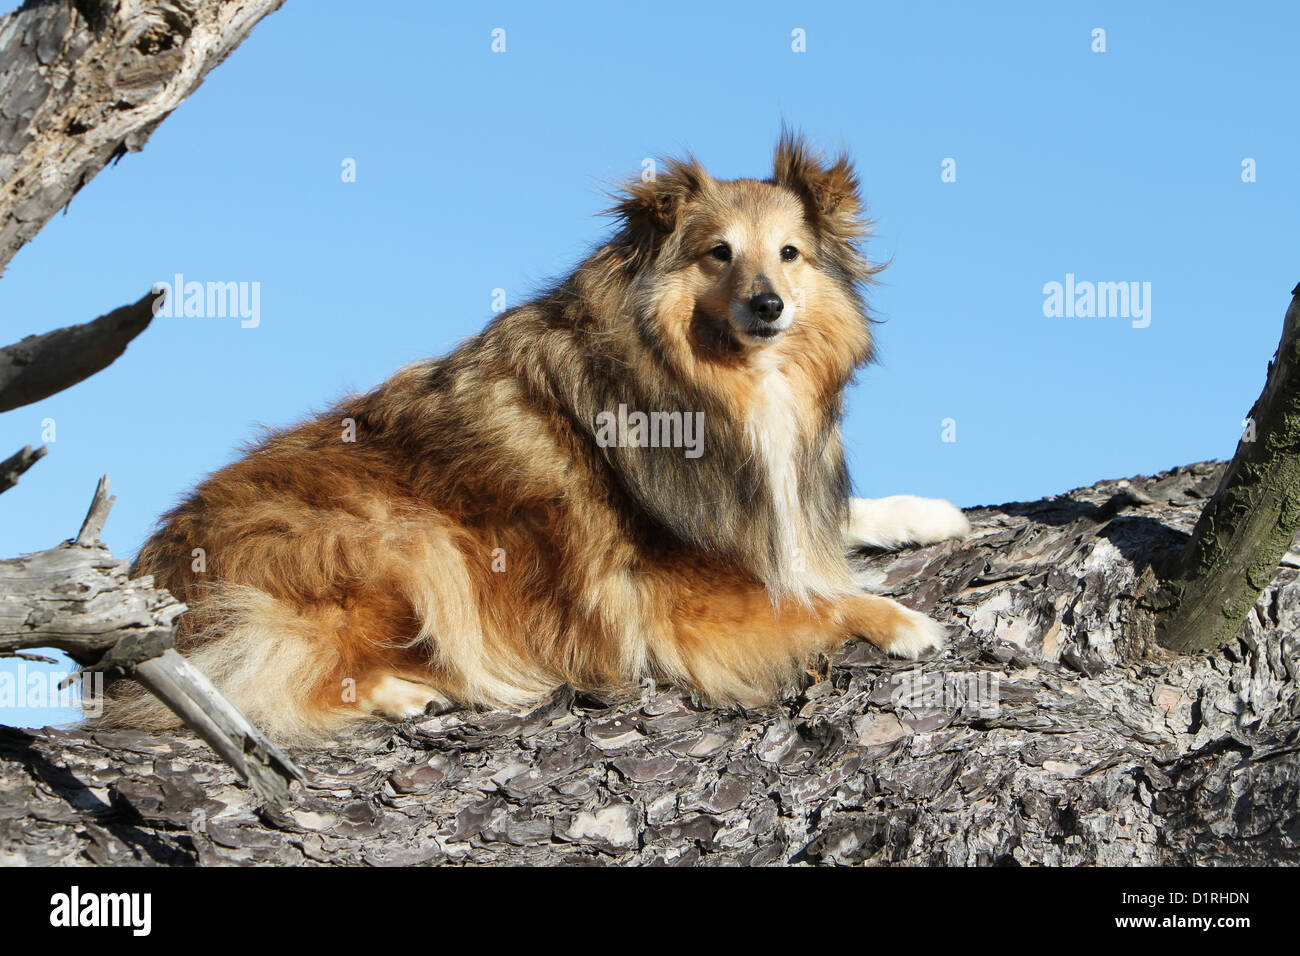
[(902, 519), (916, 637)]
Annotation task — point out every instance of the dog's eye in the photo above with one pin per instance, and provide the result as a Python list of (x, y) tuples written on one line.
[(721, 252), (789, 253)]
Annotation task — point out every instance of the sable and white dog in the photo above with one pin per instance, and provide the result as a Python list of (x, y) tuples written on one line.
[(475, 532)]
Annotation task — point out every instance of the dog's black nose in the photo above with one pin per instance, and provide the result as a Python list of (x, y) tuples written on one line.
[(767, 306)]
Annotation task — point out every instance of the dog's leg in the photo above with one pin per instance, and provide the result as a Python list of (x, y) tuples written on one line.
[(895, 629), (730, 640), (892, 522)]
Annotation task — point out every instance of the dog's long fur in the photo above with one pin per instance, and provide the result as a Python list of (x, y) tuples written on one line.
[(475, 544)]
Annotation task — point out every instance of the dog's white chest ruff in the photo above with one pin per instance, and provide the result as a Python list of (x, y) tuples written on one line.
[(773, 429)]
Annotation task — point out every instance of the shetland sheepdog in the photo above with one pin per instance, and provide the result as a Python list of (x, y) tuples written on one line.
[(638, 473)]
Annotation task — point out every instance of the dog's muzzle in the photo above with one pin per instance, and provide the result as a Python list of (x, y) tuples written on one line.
[(765, 316)]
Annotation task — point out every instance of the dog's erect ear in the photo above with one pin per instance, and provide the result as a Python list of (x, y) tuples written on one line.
[(651, 206), (829, 191)]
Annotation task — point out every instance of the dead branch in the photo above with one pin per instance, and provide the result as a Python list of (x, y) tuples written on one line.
[(87, 81), (17, 463), (100, 505), (185, 689), (41, 365)]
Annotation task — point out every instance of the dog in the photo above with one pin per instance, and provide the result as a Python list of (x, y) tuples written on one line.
[(637, 474)]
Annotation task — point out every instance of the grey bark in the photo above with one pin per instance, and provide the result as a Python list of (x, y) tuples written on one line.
[(1249, 523), (79, 599), (1097, 747), (87, 82)]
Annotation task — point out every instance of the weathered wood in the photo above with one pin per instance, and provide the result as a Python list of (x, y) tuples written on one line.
[(86, 82), (93, 526), (1053, 731), (12, 468), (80, 599), (1249, 523), (41, 365)]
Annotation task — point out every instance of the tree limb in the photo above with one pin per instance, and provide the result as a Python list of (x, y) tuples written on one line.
[(41, 365), (183, 688), (87, 82), (1249, 523), (1047, 733), (17, 463)]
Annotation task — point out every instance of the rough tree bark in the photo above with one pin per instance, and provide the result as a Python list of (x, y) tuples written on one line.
[(1250, 522), (86, 82), (1054, 730)]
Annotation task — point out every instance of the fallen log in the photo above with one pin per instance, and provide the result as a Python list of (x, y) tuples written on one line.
[(1052, 731)]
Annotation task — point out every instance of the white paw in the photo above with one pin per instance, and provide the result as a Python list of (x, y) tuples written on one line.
[(399, 699), (902, 519), (917, 637)]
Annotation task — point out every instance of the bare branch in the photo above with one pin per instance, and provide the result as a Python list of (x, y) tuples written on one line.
[(183, 688), (86, 83), (17, 463), (29, 656), (41, 365), (77, 597)]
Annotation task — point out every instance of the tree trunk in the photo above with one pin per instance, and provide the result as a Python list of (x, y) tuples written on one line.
[(1250, 522), (1054, 730)]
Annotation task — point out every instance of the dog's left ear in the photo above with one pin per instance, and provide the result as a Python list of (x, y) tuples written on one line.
[(829, 191)]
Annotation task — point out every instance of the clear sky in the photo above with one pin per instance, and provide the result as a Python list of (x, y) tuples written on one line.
[(478, 170)]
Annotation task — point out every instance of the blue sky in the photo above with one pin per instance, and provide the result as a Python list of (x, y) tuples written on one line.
[(478, 170)]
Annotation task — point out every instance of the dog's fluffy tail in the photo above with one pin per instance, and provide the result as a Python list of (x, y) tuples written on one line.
[(261, 654)]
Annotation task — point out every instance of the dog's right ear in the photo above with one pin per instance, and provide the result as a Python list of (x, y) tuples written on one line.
[(652, 206)]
